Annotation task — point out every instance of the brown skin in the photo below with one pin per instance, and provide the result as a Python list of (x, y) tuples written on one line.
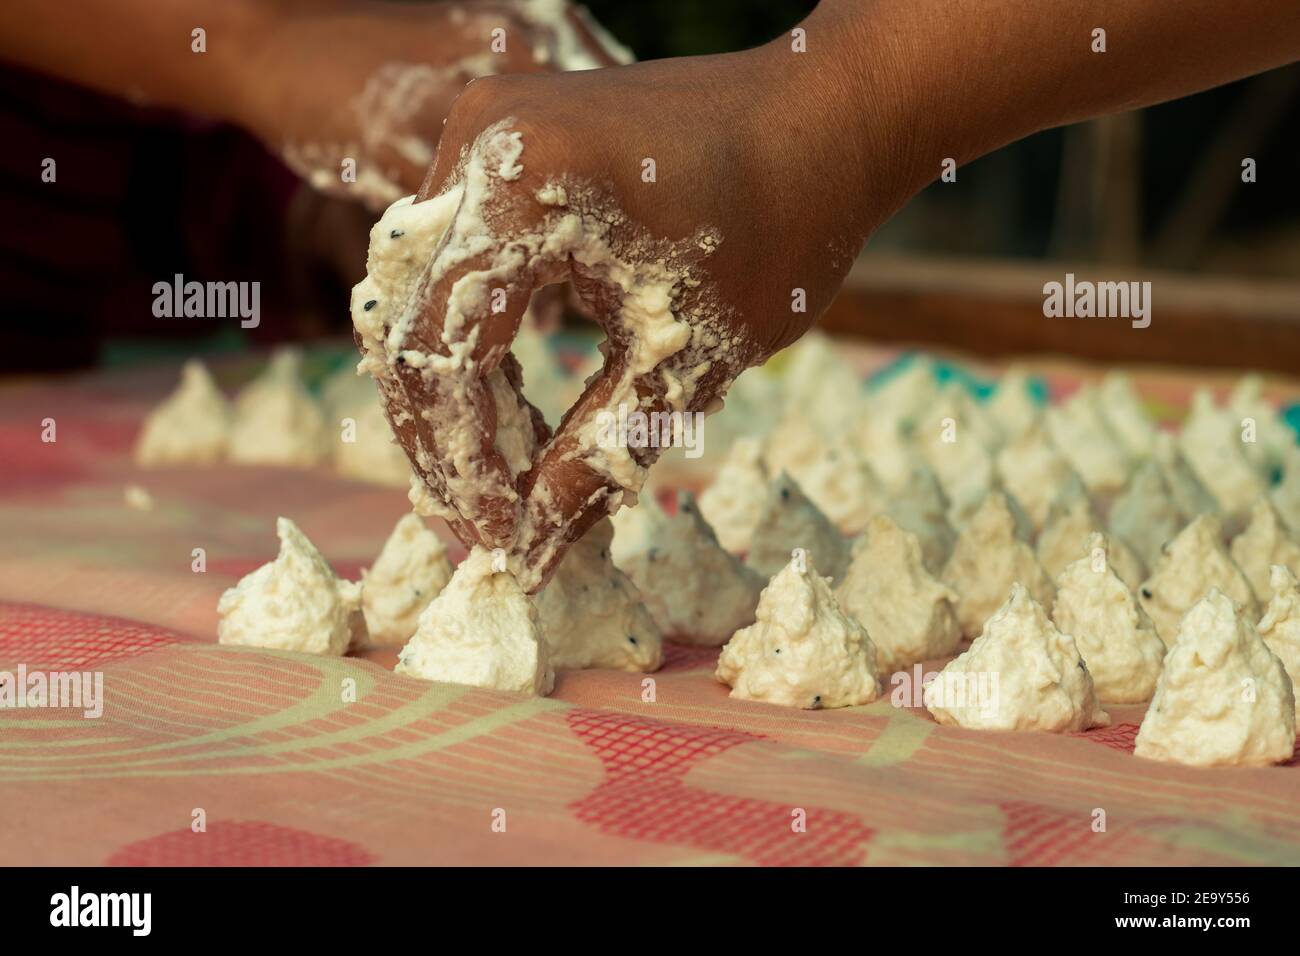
[(340, 45), (795, 158), (721, 182), (286, 70)]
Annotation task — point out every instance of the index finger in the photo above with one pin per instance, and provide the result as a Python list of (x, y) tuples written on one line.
[(434, 318)]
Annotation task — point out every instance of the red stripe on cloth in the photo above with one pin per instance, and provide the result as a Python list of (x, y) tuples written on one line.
[(242, 843), (49, 637), (1117, 737), (645, 796)]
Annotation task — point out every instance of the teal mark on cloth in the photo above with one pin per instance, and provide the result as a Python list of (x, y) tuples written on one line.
[(945, 372)]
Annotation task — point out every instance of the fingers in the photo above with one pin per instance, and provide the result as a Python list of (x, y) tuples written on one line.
[(468, 431), (453, 394), (589, 467)]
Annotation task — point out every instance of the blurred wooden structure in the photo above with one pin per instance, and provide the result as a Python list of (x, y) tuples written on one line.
[(995, 308)]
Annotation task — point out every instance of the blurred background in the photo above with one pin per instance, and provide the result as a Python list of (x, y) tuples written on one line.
[(1153, 195)]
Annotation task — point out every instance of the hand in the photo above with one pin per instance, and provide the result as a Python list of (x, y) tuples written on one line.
[(373, 82), (758, 204)]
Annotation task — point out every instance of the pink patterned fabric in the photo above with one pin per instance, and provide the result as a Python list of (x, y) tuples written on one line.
[(283, 765)]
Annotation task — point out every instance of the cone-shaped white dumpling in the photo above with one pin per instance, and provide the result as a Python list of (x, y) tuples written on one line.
[(1033, 470), (789, 520), (733, 504), (921, 508), (1223, 699), (696, 590), (1210, 441), (1191, 497), (884, 447), (1116, 638), (1145, 514), (753, 402), (637, 528), (797, 442), (294, 603), (1280, 625), (545, 383), (802, 651), (901, 395), (1081, 434), (1266, 541), (277, 422), (592, 614), (1193, 563), (1021, 673), (842, 486), (1286, 496), (957, 439), (910, 616), (988, 558), (344, 389), (1012, 405), (1273, 438), (364, 445), (1123, 412), (481, 630), (190, 426), (412, 568), (1070, 525), (818, 380)]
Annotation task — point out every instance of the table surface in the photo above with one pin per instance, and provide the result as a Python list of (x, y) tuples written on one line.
[(286, 771)]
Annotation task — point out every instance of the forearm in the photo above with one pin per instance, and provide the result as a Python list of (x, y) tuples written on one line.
[(959, 78), (142, 49)]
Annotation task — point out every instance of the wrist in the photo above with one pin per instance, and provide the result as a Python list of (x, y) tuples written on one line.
[(851, 105), (269, 66), (241, 40)]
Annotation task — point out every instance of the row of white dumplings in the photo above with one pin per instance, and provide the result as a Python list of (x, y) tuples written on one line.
[(765, 516), (275, 421), (697, 591), (824, 642), (589, 614)]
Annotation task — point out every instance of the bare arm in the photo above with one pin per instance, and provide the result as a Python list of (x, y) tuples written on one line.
[(959, 78), (319, 81), (771, 167), (141, 49)]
